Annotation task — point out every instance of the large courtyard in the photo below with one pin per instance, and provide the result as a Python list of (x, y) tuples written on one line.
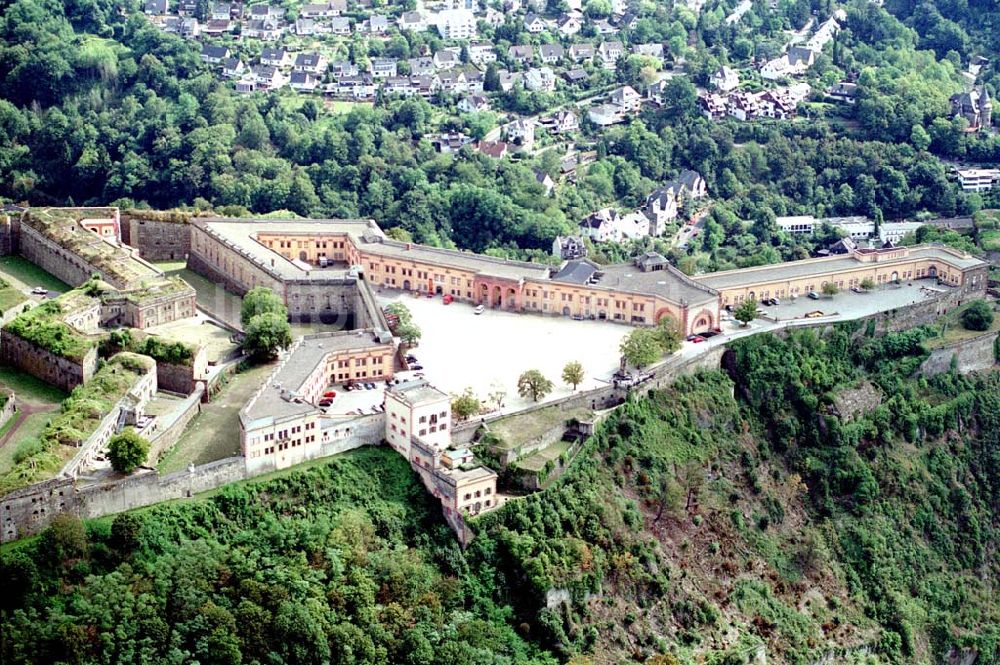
[(459, 349)]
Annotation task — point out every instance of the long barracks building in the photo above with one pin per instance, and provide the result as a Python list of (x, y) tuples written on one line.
[(317, 266)]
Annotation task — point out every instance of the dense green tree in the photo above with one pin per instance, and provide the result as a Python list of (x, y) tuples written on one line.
[(266, 334), (127, 450), (641, 347), (978, 316), (532, 383), (572, 374), (746, 311)]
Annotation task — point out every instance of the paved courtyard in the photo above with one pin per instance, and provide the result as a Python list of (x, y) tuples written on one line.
[(459, 349), (850, 305)]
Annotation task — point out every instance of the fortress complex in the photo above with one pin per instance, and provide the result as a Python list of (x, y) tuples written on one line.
[(324, 269)]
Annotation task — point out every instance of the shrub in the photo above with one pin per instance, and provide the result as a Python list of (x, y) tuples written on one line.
[(978, 316)]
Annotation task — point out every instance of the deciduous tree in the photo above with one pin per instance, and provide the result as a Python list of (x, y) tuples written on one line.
[(572, 374), (532, 383), (127, 450)]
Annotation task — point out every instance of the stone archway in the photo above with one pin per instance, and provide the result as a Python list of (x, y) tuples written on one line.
[(894, 277), (932, 271), (703, 321), (497, 298), (406, 285), (565, 311), (302, 255), (484, 295), (511, 298)]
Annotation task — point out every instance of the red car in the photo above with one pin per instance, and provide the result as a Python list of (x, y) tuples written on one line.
[(697, 338), (331, 394), (447, 299)]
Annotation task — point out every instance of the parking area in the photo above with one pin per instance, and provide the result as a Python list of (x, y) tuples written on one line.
[(460, 349), (850, 305)]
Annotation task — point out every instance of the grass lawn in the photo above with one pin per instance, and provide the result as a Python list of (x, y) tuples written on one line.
[(11, 297), (28, 387), (30, 430), (215, 433), (22, 273), (339, 107), (989, 240), (517, 429), (536, 461), (209, 295)]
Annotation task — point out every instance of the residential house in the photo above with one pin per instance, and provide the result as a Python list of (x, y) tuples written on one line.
[(540, 79), (445, 59), (216, 28), (493, 149), (843, 92), (569, 248), (977, 180), (974, 106), (187, 7), (576, 76), (268, 77), (225, 11), (233, 68), (604, 28), (305, 27), (213, 55), (793, 63), (473, 104), (545, 180), (340, 25), (456, 24), (494, 17), (473, 79), (522, 54), (626, 99), (568, 25), (450, 142), (264, 30), (649, 50), (413, 21), (776, 104), (359, 86), (609, 52), (603, 115), (712, 105), (302, 82), (581, 52), (520, 132), (482, 53), (664, 203), (512, 6), (607, 225), (155, 7), (341, 68), (246, 85), (743, 105), (534, 23), (629, 20), (313, 63), (551, 53), (422, 66), (564, 122), (725, 79), (508, 79), (323, 10), (262, 12), (383, 68), (823, 35), (276, 57), (376, 24), (655, 90)]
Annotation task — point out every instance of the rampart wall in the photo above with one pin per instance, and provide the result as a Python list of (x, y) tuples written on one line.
[(63, 373), (167, 238)]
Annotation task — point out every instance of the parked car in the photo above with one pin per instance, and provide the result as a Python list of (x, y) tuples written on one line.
[(447, 299), (857, 289), (410, 358), (479, 309), (698, 339), (767, 301), (814, 315), (325, 402), (369, 385), (416, 366), (40, 291), (329, 394), (708, 335), (813, 295)]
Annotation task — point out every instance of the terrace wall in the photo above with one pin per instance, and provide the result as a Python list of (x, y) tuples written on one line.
[(972, 355), (63, 373), (49, 256)]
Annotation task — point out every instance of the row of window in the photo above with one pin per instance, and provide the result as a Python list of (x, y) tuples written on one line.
[(478, 493)]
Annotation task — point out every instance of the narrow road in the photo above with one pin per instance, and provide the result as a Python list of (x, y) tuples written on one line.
[(25, 409)]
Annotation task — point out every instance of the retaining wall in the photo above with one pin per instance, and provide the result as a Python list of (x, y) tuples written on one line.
[(972, 355), (169, 430)]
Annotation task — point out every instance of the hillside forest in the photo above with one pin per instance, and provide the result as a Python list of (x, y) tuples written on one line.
[(811, 501), (99, 106)]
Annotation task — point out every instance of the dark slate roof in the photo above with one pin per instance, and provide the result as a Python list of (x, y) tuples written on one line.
[(577, 271)]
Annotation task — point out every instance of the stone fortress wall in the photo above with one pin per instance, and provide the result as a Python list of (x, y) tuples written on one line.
[(64, 373), (159, 236)]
